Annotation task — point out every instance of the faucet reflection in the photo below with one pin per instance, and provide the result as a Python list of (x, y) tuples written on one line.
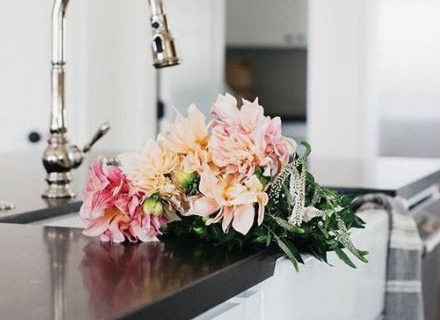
[(60, 157), (58, 242)]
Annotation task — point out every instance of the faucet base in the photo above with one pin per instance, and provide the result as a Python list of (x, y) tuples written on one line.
[(59, 186)]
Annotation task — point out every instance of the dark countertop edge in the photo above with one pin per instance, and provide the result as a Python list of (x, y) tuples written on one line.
[(411, 189), (200, 296), (42, 214), (361, 191)]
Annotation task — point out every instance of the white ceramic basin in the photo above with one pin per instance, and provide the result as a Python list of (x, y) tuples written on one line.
[(319, 291)]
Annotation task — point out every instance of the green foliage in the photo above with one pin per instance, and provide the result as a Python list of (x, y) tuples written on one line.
[(317, 237)]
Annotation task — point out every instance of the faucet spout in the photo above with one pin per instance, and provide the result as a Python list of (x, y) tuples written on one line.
[(60, 157)]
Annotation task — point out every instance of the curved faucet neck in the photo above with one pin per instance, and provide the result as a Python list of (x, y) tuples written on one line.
[(59, 25), (58, 31)]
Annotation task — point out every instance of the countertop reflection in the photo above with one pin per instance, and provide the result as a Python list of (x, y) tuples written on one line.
[(56, 273)]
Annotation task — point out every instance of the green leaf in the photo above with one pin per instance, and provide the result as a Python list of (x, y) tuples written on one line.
[(294, 250), (308, 149), (343, 256), (268, 239), (285, 248), (359, 254), (286, 225)]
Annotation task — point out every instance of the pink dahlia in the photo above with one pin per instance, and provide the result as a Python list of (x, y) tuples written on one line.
[(244, 139), (112, 208)]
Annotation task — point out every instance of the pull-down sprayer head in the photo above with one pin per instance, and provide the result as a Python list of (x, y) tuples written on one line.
[(163, 44)]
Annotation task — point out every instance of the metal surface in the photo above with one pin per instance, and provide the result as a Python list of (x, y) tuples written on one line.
[(60, 157)]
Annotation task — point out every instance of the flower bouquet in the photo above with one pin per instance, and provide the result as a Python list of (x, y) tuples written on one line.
[(233, 181)]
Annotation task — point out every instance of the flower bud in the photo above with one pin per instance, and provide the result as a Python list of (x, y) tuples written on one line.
[(153, 205), (185, 179), (188, 181)]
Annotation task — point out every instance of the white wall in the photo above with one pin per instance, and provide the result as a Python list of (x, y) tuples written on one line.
[(409, 48), (109, 71), (199, 27), (118, 74), (409, 95), (370, 62), (341, 117), (24, 70)]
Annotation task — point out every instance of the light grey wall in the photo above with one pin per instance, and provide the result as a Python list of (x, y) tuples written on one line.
[(410, 138)]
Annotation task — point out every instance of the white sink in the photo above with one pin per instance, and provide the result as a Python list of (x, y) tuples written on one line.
[(319, 291)]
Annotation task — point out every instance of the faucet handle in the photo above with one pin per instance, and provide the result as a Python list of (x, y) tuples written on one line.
[(103, 129)]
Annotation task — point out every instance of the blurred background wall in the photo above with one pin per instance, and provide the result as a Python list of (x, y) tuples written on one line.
[(109, 71), (409, 77), (355, 77)]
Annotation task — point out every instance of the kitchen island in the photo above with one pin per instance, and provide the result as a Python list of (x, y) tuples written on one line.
[(56, 273)]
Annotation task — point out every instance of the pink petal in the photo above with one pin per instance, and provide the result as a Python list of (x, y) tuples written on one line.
[(97, 226), (141, 233), (117, 236)]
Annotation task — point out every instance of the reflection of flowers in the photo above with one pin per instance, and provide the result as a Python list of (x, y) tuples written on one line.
[(119, 278), (114, 275)]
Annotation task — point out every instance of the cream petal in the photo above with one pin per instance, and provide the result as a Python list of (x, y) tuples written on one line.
[(263, 199), (247, 197), (228, 214), (217, 218), (243, 218), (204, 207), (253, 183), (197, 121), (225, 107), (207, 182)]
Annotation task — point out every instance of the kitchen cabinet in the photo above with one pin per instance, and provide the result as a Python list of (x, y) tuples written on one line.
[(262, 23)]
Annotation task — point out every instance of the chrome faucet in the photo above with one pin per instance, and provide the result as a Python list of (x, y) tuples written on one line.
[(60, 157)]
